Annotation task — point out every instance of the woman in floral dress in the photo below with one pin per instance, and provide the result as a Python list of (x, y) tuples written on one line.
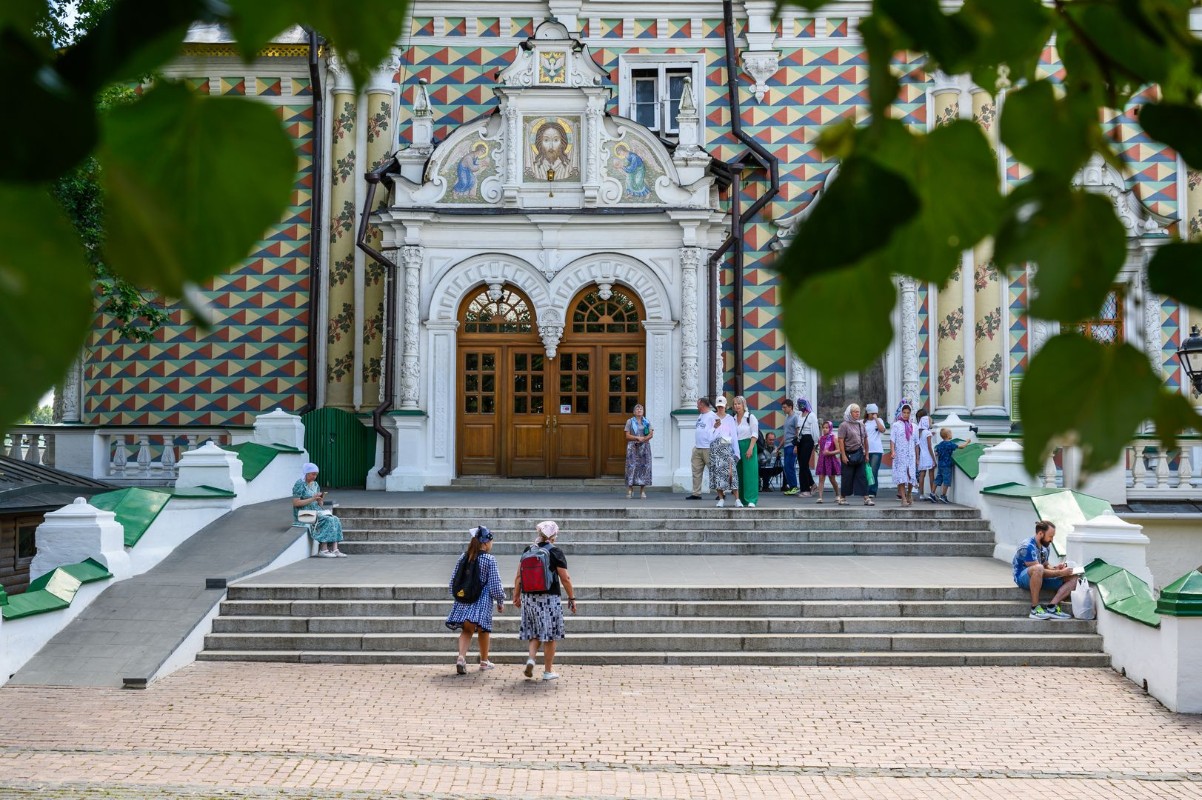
[(638, 452), (308, 496), (903, 438), (724, 454)]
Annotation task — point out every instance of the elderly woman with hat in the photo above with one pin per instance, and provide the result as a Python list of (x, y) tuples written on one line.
[(542, 611), (474, 616), (327, 528)]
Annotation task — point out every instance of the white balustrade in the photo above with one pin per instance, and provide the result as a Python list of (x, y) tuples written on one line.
[(1155, 473)]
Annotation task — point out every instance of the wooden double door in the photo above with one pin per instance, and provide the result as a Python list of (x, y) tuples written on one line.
[(524, 414)]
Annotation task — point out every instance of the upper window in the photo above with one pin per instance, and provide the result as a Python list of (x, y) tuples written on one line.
[(650, 88), (1107, 327), (508, 313), (617, 314)]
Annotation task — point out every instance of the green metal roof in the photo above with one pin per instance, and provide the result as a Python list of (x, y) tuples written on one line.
[(1182, 597), (969, 459), (1123, 593), (135, 508), (54, 590), (255, 457)]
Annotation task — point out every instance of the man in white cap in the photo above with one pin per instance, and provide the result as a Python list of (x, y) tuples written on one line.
[(703, 435)]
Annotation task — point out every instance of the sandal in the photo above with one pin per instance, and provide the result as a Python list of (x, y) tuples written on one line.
[(628, 493), (842, 501), (819, 500), (643, 496), (868, 501)]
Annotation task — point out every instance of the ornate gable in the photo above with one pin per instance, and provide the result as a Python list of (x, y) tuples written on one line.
[(551, 145)]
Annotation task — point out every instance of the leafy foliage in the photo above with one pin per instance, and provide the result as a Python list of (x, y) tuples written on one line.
[(170, 163), (913, 202)]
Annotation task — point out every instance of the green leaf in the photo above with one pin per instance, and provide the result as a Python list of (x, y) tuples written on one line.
[(1080, 391), (955, 174), (1075, 239), (1010, 32), (1048, 134), (1176, 271), (927, 29), (853, 304), (854, 216), (132, 39), (191, 182), (63, 121), (363, 32), (883, 85), (1177, 125), (45, 297), (1135, 56)]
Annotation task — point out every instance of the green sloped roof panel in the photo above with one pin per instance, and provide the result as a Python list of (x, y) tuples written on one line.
[(255, 457), (969, 459), (32, 602), (54, 590), (136, 509), (1123, 593)]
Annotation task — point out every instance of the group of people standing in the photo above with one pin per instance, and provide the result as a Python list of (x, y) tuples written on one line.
[(848, 454)]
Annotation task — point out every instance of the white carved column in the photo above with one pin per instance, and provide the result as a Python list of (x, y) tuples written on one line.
[(658, 389), (71, 392), (442, 391), (592, 143), (513, 151), (691, 259), (410, 368), (911, 385)]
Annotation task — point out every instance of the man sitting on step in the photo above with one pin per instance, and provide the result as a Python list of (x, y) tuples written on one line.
[(770, 456), (1032, 571)]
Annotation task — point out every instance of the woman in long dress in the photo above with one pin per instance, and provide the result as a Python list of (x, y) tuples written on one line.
[(903, 438), (308, 496), (638, 452), (724, 454)]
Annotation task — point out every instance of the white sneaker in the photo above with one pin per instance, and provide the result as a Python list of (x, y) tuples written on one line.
[(530, 668), (739, 504), (751, 505), (325, 554), (339, 554), (550, 676), (721, 504)]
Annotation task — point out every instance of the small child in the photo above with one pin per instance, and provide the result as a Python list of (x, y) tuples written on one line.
[(944, 466)]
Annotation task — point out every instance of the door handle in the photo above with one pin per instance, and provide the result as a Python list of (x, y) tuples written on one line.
[(554, 424), (547, 422)]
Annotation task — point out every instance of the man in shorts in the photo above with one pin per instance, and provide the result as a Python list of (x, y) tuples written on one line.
[(1032, 572)]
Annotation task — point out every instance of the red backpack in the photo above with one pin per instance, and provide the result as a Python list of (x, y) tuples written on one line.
[(535, 569)]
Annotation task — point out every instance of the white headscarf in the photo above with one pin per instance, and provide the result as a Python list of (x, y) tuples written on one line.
[(307, 468)]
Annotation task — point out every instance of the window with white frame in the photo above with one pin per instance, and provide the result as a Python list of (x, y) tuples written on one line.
[(650, 88)]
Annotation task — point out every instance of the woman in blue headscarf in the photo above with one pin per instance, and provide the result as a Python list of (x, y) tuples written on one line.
[(308, 496)]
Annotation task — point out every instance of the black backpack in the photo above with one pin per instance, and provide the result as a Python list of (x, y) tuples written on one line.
[(467, 586)]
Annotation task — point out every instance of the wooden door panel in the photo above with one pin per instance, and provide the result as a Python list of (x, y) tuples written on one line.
[(573, 431), (527, 422), (623, 375), (479, 415)]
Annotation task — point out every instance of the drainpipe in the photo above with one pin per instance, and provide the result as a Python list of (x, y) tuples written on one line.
[(740, 218), (315, 221), (374, 179)]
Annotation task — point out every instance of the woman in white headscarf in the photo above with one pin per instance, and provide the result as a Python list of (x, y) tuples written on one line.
[(536, 593), (308, 496)]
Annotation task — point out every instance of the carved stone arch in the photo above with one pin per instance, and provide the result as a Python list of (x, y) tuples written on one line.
[(613, 268), (487, 269)]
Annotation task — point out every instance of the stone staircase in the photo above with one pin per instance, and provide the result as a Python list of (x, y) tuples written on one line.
[(946, 625), (627, 529)]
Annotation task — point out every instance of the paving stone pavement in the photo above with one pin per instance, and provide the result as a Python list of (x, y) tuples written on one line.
[(358, 732)]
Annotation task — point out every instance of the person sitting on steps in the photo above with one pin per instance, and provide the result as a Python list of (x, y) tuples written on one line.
[(770, 456), (1032, 571)]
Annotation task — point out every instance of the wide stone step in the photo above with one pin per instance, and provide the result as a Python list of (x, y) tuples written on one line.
[(678, 642), (576, 527), (620, 511), (654, 626), (693, 536), (687, 594), (585, 548), (510, 657), (639, 608)]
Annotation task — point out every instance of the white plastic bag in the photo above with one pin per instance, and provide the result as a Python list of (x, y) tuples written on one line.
[(1082, 600)]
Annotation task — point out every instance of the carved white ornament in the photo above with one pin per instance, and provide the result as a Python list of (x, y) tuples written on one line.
[(761, 66), (550, 334), (909, 337), (410, 366), (690, 261)]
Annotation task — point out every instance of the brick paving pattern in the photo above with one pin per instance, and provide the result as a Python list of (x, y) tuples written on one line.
[(358, 732)]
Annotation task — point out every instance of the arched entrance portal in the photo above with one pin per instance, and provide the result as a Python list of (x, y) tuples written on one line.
[(524, 414)]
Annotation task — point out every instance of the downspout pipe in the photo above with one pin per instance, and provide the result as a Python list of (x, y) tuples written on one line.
[(740, 218), (315, 221), (374, 179)]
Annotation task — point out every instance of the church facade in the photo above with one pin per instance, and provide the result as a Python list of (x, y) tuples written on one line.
[(532, 220)]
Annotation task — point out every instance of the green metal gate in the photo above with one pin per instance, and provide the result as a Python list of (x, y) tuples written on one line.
[(341, 446)]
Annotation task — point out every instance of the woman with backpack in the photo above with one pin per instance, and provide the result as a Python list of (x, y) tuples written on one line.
[(475, 586), (541, 572)]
